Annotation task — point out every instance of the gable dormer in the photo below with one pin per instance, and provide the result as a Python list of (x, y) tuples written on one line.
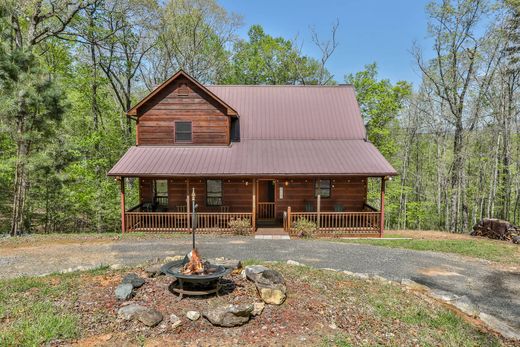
[(181, 111)]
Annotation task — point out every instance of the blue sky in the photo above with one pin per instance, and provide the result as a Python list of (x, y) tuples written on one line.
[(370, 30)]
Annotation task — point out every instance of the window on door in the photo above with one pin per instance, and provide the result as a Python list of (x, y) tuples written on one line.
[(160, 192), (322, 187), (183, 132), (214, 192)]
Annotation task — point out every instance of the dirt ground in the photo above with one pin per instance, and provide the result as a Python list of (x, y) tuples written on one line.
[(323, 308), (429, 235)]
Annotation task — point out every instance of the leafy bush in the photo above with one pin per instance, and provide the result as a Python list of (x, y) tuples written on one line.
[(304, 227), (240, 226)]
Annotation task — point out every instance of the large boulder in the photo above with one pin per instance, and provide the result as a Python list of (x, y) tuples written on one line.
[(229, 315), (269, 283)]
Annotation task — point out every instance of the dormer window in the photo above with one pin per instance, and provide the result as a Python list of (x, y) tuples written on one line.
[(183, 132)]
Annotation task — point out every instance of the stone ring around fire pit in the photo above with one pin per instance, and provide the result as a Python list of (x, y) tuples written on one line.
[(194, 284)]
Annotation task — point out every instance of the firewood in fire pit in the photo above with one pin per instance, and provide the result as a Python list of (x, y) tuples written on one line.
[(196, 266)]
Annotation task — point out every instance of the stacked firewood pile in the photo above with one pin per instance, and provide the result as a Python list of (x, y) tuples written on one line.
[(497, 229)]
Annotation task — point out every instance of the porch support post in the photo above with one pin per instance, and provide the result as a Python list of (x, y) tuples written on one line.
[(253, 217), (382, 226), (123, 218), (318, 212), (318, 206), (188, 203)]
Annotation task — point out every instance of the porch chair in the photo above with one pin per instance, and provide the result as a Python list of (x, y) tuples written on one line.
[(309, 206)]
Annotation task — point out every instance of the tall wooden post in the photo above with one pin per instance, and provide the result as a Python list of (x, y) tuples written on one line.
[(318, 206), (382, 226), (253, 217), (123, 218), (318, 212), (188, 204), (289, 219)]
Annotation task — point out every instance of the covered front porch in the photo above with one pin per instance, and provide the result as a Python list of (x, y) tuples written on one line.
[(337, 206)]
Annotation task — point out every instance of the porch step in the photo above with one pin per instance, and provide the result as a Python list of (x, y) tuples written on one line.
[(271, 234)]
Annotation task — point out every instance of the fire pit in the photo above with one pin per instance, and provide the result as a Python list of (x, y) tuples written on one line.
[(194, 276), (190, 282)]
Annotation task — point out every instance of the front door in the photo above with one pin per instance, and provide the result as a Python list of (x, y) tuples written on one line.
[(266, 200)]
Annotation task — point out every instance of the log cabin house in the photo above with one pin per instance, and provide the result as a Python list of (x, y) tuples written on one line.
[(266, 155)]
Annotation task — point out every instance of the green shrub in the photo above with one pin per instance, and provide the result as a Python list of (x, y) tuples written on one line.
[(240, 226), (304, 227)]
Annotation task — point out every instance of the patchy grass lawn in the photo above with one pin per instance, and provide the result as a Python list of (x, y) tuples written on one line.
[(494, 250), (323, 308), (39, 239)]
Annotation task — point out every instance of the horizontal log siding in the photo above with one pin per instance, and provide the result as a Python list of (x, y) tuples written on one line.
[(156, 124), (349, 192), (236, 195)]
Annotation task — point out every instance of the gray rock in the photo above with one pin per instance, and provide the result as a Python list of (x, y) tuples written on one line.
[(124, 291), (465, 305), (149, 317), (516, 239), (175, 321), (443, 295), (500, 326), (229, 315), (128, 312), (134, 280), (254, 271), (193, 315), (233, 264), (153, 271)]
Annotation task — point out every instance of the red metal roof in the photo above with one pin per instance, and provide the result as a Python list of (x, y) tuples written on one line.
[(285, 130), (295, 112), (257, 158)]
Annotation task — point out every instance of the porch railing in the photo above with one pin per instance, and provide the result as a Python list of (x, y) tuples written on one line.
[(266, 210), (207, 222), (156, 221), (220, 222), (336, 224)]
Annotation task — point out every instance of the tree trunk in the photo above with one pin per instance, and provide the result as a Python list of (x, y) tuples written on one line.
[(456, 175), (20, 180)]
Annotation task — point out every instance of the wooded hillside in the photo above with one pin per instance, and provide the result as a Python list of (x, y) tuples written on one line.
[(70, 70)]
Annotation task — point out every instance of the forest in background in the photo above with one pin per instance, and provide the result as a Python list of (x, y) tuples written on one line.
[(70, 70)]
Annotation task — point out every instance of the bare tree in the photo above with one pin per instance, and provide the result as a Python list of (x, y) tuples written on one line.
[(451, 72)]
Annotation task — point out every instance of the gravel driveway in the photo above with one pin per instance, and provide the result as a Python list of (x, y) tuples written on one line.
[(495, 291)]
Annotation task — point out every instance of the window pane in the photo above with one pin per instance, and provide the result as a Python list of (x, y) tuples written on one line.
[(161, 188), (183, 137), (183, 126), (322, 187), (213, 192), (183, 131)]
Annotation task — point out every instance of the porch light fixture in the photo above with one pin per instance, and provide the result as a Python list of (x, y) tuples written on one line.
[(247, 183), (286, 183)]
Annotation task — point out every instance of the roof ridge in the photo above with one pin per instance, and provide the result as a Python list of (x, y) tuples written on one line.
[(281, 85)]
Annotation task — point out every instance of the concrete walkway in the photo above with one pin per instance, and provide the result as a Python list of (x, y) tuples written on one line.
[(494, 291)]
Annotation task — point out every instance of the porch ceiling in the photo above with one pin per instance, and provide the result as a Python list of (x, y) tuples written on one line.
[(256, 158)]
